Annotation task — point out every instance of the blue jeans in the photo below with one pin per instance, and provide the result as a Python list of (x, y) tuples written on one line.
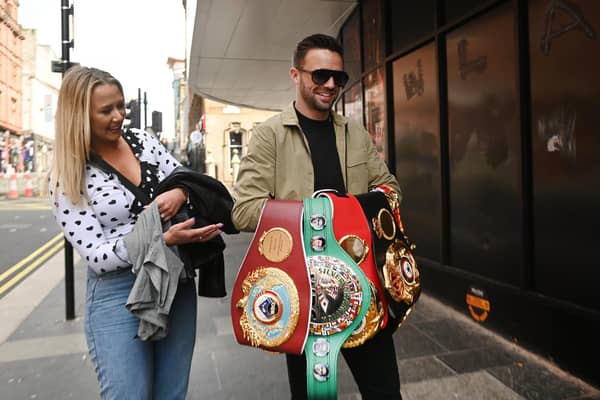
[(127, 367)]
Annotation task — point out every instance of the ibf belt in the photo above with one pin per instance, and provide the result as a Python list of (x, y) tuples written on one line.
[(340, 298), (270, 302), (395, 264), (353, 234)]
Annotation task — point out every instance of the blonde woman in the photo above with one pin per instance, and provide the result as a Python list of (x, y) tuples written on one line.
[(96, 211)]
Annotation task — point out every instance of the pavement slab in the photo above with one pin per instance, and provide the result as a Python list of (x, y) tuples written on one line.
[(441, 353)]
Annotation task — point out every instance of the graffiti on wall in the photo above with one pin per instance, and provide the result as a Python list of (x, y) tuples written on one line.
[(577, 22)]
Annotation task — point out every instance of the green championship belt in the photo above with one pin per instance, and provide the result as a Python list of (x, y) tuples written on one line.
[(339, 291)]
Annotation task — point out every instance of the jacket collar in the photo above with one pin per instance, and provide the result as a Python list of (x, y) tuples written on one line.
[(289, 117)]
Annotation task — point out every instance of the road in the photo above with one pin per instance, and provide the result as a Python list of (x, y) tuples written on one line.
[(28, 237)]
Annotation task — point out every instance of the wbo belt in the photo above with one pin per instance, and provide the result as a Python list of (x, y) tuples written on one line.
[(353, 234), (340, 298), (271, 298), (394, 261)]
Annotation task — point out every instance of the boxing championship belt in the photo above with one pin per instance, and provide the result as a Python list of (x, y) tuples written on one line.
[(270, 302), (341, 295), (394, 261), (353, 234)]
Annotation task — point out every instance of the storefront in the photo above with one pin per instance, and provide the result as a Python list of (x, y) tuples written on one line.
[(486, 111)]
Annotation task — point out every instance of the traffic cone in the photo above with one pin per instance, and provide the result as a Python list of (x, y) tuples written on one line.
[(28, 187), (13, 193)]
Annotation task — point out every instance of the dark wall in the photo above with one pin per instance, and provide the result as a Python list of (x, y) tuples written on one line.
[(488, 114)]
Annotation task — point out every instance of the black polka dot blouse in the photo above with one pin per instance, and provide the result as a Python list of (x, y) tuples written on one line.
[(96, 227)]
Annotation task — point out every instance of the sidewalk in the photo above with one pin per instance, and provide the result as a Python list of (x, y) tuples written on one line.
[(441, 353)]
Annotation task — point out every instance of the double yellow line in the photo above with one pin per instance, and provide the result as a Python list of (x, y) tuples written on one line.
[(25, 266)]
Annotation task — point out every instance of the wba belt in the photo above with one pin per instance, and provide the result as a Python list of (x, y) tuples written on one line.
[(352, 232), (396, 266), (270, 302), (341, 295)]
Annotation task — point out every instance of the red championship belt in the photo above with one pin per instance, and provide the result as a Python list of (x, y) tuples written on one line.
[(271, 298), (352, 232)]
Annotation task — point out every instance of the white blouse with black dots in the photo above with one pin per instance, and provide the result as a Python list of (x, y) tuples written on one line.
[(95, 228)]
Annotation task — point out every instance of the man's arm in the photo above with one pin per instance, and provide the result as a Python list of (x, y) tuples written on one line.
[(256, 179)]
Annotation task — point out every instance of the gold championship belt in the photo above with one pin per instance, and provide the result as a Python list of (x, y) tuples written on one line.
[(396, 266), (270, 302)]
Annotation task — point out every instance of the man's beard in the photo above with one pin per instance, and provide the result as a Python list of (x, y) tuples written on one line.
[(311, 100)]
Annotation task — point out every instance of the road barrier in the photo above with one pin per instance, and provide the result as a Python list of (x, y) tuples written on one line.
[(13, 192), (28, 187)]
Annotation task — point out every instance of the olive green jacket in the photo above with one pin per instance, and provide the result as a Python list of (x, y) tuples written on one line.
[(278, 165)]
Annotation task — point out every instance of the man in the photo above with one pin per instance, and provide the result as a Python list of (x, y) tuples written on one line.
[(305, 148)]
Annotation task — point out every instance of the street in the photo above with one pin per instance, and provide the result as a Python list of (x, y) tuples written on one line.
[(441, 353), (29, 237)]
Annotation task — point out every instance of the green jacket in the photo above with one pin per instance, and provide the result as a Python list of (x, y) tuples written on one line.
[(278, 165)]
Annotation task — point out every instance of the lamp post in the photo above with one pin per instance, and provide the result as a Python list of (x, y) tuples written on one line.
[(62, 66)]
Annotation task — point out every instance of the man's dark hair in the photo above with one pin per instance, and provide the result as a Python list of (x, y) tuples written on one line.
[(316, 41)]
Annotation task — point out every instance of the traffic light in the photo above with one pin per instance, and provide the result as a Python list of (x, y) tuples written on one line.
[(132, 113), (157, 121)]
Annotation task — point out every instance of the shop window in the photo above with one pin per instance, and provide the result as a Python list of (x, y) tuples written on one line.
[(410, 22), (417, 148), (375, 112), (565, 60), (372, 37), (351, 43), (485, 151), (235, 139), (353, 104)]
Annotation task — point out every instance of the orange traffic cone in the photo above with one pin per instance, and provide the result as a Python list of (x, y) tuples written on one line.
[(13, 193), (28, 187)]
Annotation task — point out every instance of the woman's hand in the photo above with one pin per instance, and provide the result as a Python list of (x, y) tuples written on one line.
[(170, 202), (183, 233)]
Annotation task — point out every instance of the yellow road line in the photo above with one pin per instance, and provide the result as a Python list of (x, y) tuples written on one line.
[(24, 261), (33, 265), (26, 207)]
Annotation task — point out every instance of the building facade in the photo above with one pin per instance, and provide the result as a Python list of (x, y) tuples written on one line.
[(40, 96), (486, 111), (11, 64)]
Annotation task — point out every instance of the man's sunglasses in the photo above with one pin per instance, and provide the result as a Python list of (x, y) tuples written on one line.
[(321, 76)]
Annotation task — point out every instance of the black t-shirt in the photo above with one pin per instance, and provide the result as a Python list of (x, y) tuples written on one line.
[(325, 158)]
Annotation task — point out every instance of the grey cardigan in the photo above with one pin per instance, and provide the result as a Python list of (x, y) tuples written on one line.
[(158, 270)]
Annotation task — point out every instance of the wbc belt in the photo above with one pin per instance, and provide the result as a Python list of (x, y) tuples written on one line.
[(270, 302), (395, 264), (352, 232), (341, 296)]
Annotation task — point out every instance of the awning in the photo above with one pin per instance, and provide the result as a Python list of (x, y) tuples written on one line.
[(241, 49)]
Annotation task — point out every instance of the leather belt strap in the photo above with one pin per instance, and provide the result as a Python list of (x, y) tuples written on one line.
[(352, 232), (340, 293), (270, 301)]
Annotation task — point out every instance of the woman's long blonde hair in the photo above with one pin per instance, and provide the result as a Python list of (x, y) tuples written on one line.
[(73, 130)]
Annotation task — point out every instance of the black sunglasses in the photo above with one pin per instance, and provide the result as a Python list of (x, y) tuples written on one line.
[(321, 76)]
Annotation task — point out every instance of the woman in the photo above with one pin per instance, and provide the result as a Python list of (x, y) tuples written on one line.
[(96, 211)]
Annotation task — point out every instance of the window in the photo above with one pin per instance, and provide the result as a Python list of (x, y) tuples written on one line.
[(564, 135), (353, 104), (372, 27), (485, 151), (375, 112), (417, 145), (351, 43)]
